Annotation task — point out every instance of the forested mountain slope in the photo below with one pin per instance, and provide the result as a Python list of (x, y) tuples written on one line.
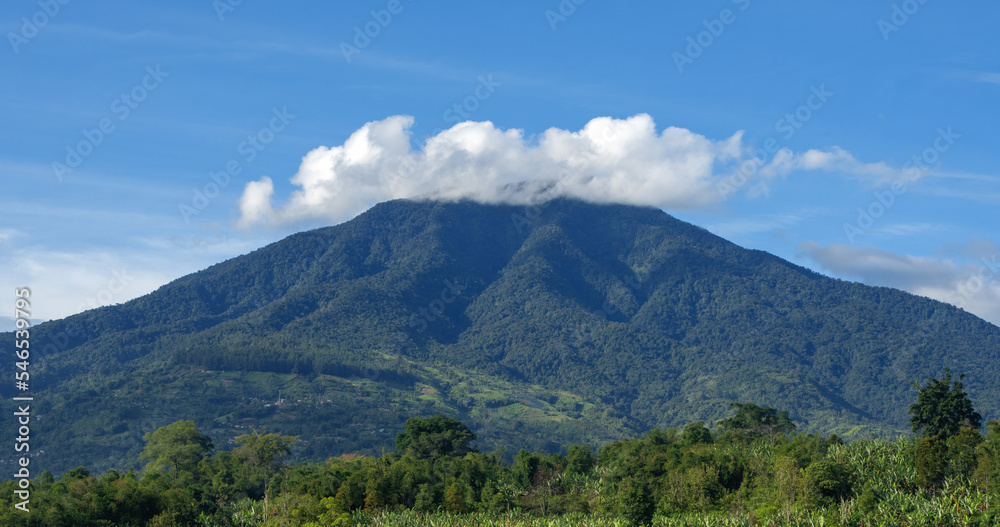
[(542, 326)]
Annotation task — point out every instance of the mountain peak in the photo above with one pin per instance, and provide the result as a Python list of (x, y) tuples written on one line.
[(563, 320)]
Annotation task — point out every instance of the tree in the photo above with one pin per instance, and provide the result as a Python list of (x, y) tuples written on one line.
[(753, 421), (942, 408), (635, 503), (930, 458), (434, 437), (454, 498), (696, 434), (962, 456), (335, 515), (830, 479), (263, 450), (987, 474), (579, 460), (177, 446)]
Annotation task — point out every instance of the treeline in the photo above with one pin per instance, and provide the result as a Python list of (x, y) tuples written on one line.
[(753, 469), (284, 361)]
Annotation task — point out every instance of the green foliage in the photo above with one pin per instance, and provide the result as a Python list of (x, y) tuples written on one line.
[(987, 473), (695, 434), (869, 500), (635, 503), (178, 446), (831, 479), (334, 516), (659, 479), (263, 450), (434, 437), (583, 324), (962, 452), (752, 421), (931, 461), (525, 468), (454, 498), (580, 460), (942, 408)]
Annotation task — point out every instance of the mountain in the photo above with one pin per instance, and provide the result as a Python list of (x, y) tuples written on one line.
[(540, 326)]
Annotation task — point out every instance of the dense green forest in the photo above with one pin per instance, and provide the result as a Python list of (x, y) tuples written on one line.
[(754, 468), (539, 327)]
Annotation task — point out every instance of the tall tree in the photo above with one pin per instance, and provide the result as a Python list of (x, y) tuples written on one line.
[(753, 421), (177, 446), (434, 437), (264, 451), (942, 408)]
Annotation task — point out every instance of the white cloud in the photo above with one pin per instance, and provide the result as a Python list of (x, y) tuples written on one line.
[(64, 282), (756, 224), (834, 160), (255, 203), (6, 234), (911, 229), (609, 160), (973, 285)]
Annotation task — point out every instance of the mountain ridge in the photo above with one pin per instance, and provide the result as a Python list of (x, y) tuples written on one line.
[(560, 322)]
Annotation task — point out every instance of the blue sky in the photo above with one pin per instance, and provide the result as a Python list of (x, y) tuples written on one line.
[(121, 119)]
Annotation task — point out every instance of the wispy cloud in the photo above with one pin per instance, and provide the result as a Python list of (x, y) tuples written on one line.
[(970, 195), (991, 78), (65, 282), (7, 233), (766, 222), (835, 159), (911, 229), (973, 285)]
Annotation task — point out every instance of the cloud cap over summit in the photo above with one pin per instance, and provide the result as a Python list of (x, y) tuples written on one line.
[(608, 161)]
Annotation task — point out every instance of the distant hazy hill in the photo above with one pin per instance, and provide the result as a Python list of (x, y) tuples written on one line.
[(569, 322)]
